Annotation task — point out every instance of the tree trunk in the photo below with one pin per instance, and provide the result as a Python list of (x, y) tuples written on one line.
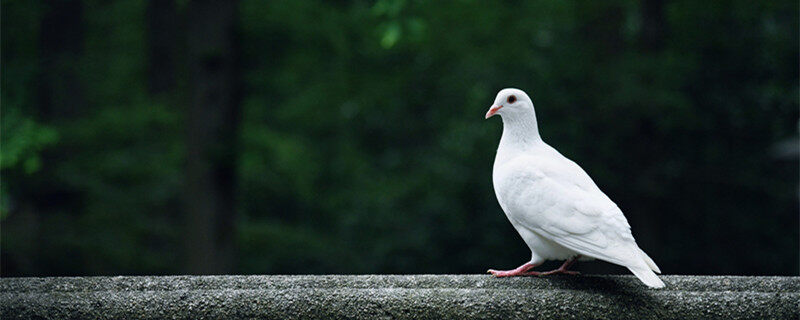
[(59, 96), (654, 25), (162, 29), (60, 46), (213, 120)]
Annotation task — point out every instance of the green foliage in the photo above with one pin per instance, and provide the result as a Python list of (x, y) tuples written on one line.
[(364, 149), (22, 140)]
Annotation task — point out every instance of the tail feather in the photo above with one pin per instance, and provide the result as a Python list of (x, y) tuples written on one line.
[(650, 263), (647, 276)]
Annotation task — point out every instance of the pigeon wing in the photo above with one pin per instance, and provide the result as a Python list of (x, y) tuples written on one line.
[(560, 204)]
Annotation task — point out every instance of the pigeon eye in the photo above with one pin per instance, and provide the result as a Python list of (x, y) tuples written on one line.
[(511, 99)]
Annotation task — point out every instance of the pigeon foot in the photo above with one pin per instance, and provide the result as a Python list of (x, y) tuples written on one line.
[(563, 268), (559, 271), (522, 270)]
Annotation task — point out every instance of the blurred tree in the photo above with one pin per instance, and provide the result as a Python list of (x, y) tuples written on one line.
[(163, 27), (361, 146), (212, 144), (59, 96), (654, 25), (61, 45)]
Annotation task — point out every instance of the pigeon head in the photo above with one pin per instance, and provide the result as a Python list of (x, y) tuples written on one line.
[(511, 103)]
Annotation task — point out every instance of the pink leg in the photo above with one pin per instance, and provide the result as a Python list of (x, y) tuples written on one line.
[(519, 271), (563, 268)]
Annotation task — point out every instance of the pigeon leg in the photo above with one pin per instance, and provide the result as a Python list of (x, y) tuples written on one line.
[(563, 268), (519, 271)]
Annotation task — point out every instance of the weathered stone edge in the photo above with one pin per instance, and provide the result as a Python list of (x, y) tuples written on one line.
[(583, 282), (398, 296)]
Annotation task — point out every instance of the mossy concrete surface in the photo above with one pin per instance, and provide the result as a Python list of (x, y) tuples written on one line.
[(399, 297)]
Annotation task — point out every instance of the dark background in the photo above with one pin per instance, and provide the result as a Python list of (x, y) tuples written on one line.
[(167, 137)]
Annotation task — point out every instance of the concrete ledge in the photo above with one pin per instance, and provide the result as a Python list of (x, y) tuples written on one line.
[(399, 296)]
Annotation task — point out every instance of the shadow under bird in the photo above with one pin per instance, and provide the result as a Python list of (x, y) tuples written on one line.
[(553, 204)]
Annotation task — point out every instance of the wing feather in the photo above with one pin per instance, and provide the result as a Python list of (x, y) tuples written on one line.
[(566, 211)]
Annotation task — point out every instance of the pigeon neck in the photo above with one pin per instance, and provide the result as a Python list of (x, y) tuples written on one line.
[(520, 131)]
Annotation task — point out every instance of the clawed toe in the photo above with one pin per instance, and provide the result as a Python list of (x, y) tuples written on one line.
[(512, 273), (559, 271), (494, 272), (522, 270), (499, 273)]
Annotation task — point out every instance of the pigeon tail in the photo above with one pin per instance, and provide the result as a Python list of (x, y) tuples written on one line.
[(647, 276), (650, 263)]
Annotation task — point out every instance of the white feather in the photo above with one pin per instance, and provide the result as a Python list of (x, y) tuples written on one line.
[(551, 201)]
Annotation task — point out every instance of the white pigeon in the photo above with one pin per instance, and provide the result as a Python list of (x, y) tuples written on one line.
[(553, 204)]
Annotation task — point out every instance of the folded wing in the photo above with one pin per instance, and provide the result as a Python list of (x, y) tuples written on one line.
[(565, 206)]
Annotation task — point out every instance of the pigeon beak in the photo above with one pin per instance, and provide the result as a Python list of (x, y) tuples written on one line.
[(492, 111)]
